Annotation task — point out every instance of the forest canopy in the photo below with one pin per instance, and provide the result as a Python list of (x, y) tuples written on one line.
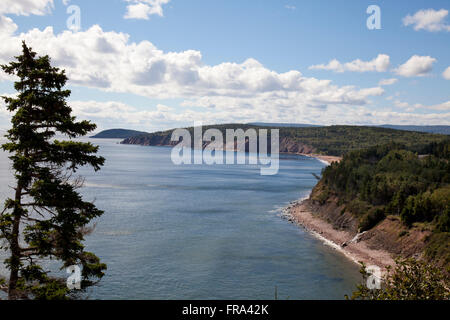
[(393, 179)]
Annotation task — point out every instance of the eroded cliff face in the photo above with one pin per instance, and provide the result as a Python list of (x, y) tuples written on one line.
[(287, 145), (390, 234), (290, 146), (150, 140)]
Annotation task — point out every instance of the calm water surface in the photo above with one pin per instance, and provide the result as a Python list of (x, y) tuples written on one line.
[(203, 232)]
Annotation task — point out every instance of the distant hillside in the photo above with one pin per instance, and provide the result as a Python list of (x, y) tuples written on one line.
[(118, 134), (332, 140), (430, 129), (285, 125)]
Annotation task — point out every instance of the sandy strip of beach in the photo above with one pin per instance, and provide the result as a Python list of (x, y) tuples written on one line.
[(343, 241), (326, 159)]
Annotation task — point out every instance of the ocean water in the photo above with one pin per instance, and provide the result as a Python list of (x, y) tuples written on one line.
[(203, 232)]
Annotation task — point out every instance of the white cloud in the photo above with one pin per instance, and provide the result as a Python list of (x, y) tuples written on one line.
[(445, 106), (380, 64), (143, 9), (401, 104), (446, 74), (110, 62), (226, 92), (440, 107), (387, 82), (290, 7), (26, 7), (5, 115), (416, 66), (429, 20), (115, 114), (408, 107), (7, 26)]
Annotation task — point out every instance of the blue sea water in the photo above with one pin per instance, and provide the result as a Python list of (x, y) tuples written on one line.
[(203, 232)]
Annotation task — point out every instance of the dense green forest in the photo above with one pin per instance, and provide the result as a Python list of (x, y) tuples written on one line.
[(393, 179), (430, 129), (331, 140), (338, 140)]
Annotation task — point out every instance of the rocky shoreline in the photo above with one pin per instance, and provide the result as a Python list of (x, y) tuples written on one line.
[(351, 245)]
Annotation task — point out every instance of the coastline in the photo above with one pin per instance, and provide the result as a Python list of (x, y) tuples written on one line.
[(322, 158), (347, 243)]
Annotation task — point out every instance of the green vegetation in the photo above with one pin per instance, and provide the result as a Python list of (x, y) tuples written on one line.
[(410, 280), (332, 140), (117, 134), (339, 140), (430, 129), (47, 218), (393, 180)]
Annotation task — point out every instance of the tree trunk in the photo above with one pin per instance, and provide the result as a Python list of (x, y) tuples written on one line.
[(15, 247)]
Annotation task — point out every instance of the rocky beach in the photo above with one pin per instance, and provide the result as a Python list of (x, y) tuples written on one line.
[(351, 245), (348, 243)]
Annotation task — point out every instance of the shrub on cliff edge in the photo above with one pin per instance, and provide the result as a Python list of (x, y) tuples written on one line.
[(409, 280)]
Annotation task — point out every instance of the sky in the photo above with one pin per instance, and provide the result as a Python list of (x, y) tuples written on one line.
[(159, 64)]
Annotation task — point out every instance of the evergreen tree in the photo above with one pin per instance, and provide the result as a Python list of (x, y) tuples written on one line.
[(47, 218)]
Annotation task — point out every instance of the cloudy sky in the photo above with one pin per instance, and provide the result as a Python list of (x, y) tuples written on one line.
[(157, 64)]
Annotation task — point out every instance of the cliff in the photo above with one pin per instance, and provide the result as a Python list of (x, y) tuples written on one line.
[(287, 145), (392, 199), (150, 140), (390, 235), (331, 141)]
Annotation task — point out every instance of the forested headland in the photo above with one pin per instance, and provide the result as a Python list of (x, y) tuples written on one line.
[(395, 181), (330, 140)]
